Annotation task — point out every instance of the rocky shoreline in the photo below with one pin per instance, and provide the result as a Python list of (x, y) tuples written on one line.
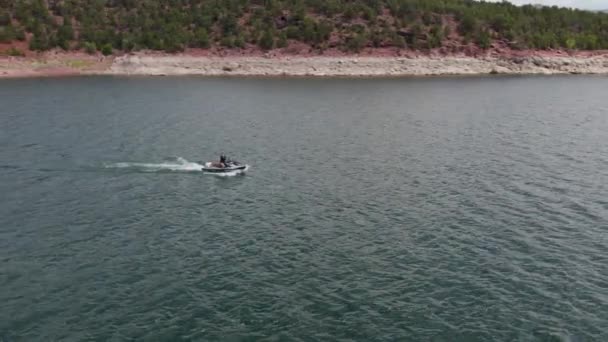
[(355, 66), (314, 66)]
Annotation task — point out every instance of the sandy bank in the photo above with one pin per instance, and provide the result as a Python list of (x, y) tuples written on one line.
[(142, 64), (54, 64)]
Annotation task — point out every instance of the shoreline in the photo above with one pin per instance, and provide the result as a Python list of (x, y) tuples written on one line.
[(157, 64)]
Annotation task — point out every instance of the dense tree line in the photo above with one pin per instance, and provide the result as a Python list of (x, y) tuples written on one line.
[(173, 25)]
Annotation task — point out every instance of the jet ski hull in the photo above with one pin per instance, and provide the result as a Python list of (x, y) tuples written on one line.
[(232, 168)]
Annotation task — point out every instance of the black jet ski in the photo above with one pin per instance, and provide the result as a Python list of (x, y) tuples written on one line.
[(230, 166)]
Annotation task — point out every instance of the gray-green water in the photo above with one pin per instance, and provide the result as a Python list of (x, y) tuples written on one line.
[(462, 209)]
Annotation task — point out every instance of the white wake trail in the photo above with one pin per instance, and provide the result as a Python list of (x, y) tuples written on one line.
[(178, 164), (175, 164)]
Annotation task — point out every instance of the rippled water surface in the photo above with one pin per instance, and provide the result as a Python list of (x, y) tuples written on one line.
[(460, 209)]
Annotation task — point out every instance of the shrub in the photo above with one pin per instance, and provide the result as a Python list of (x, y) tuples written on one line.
[(483, 39), (6, 34), (357, 42), (106, 50), (15, 52), (201, 38), (90, 47), (266, 42), (282, 43), (239, 41), (227, 42)]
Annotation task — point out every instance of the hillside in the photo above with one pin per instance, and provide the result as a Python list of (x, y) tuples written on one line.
[(293, 26)]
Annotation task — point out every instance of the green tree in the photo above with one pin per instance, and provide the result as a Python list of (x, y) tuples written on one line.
[(292, 32), (229, 25), (266, 42), (357, 42), (227, 42), (5, 17), (90, 47), (201, 38), (106, 50), (483, 39), (436, 36), (171, 25), (398, 41), (15, 52), (468, 24), (64, 35), (128, 43), (282, 42), (64, 44), (239, 41), (571, 43), (501, 23), (323, 31), (415, 32), (369, 14), (427, 19), (6, 34), (349, 12), (20, 34), (376, 39), (308, 30), (39, 41), (65, 32)]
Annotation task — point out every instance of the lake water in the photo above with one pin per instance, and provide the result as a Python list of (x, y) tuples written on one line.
[(444, 209)]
